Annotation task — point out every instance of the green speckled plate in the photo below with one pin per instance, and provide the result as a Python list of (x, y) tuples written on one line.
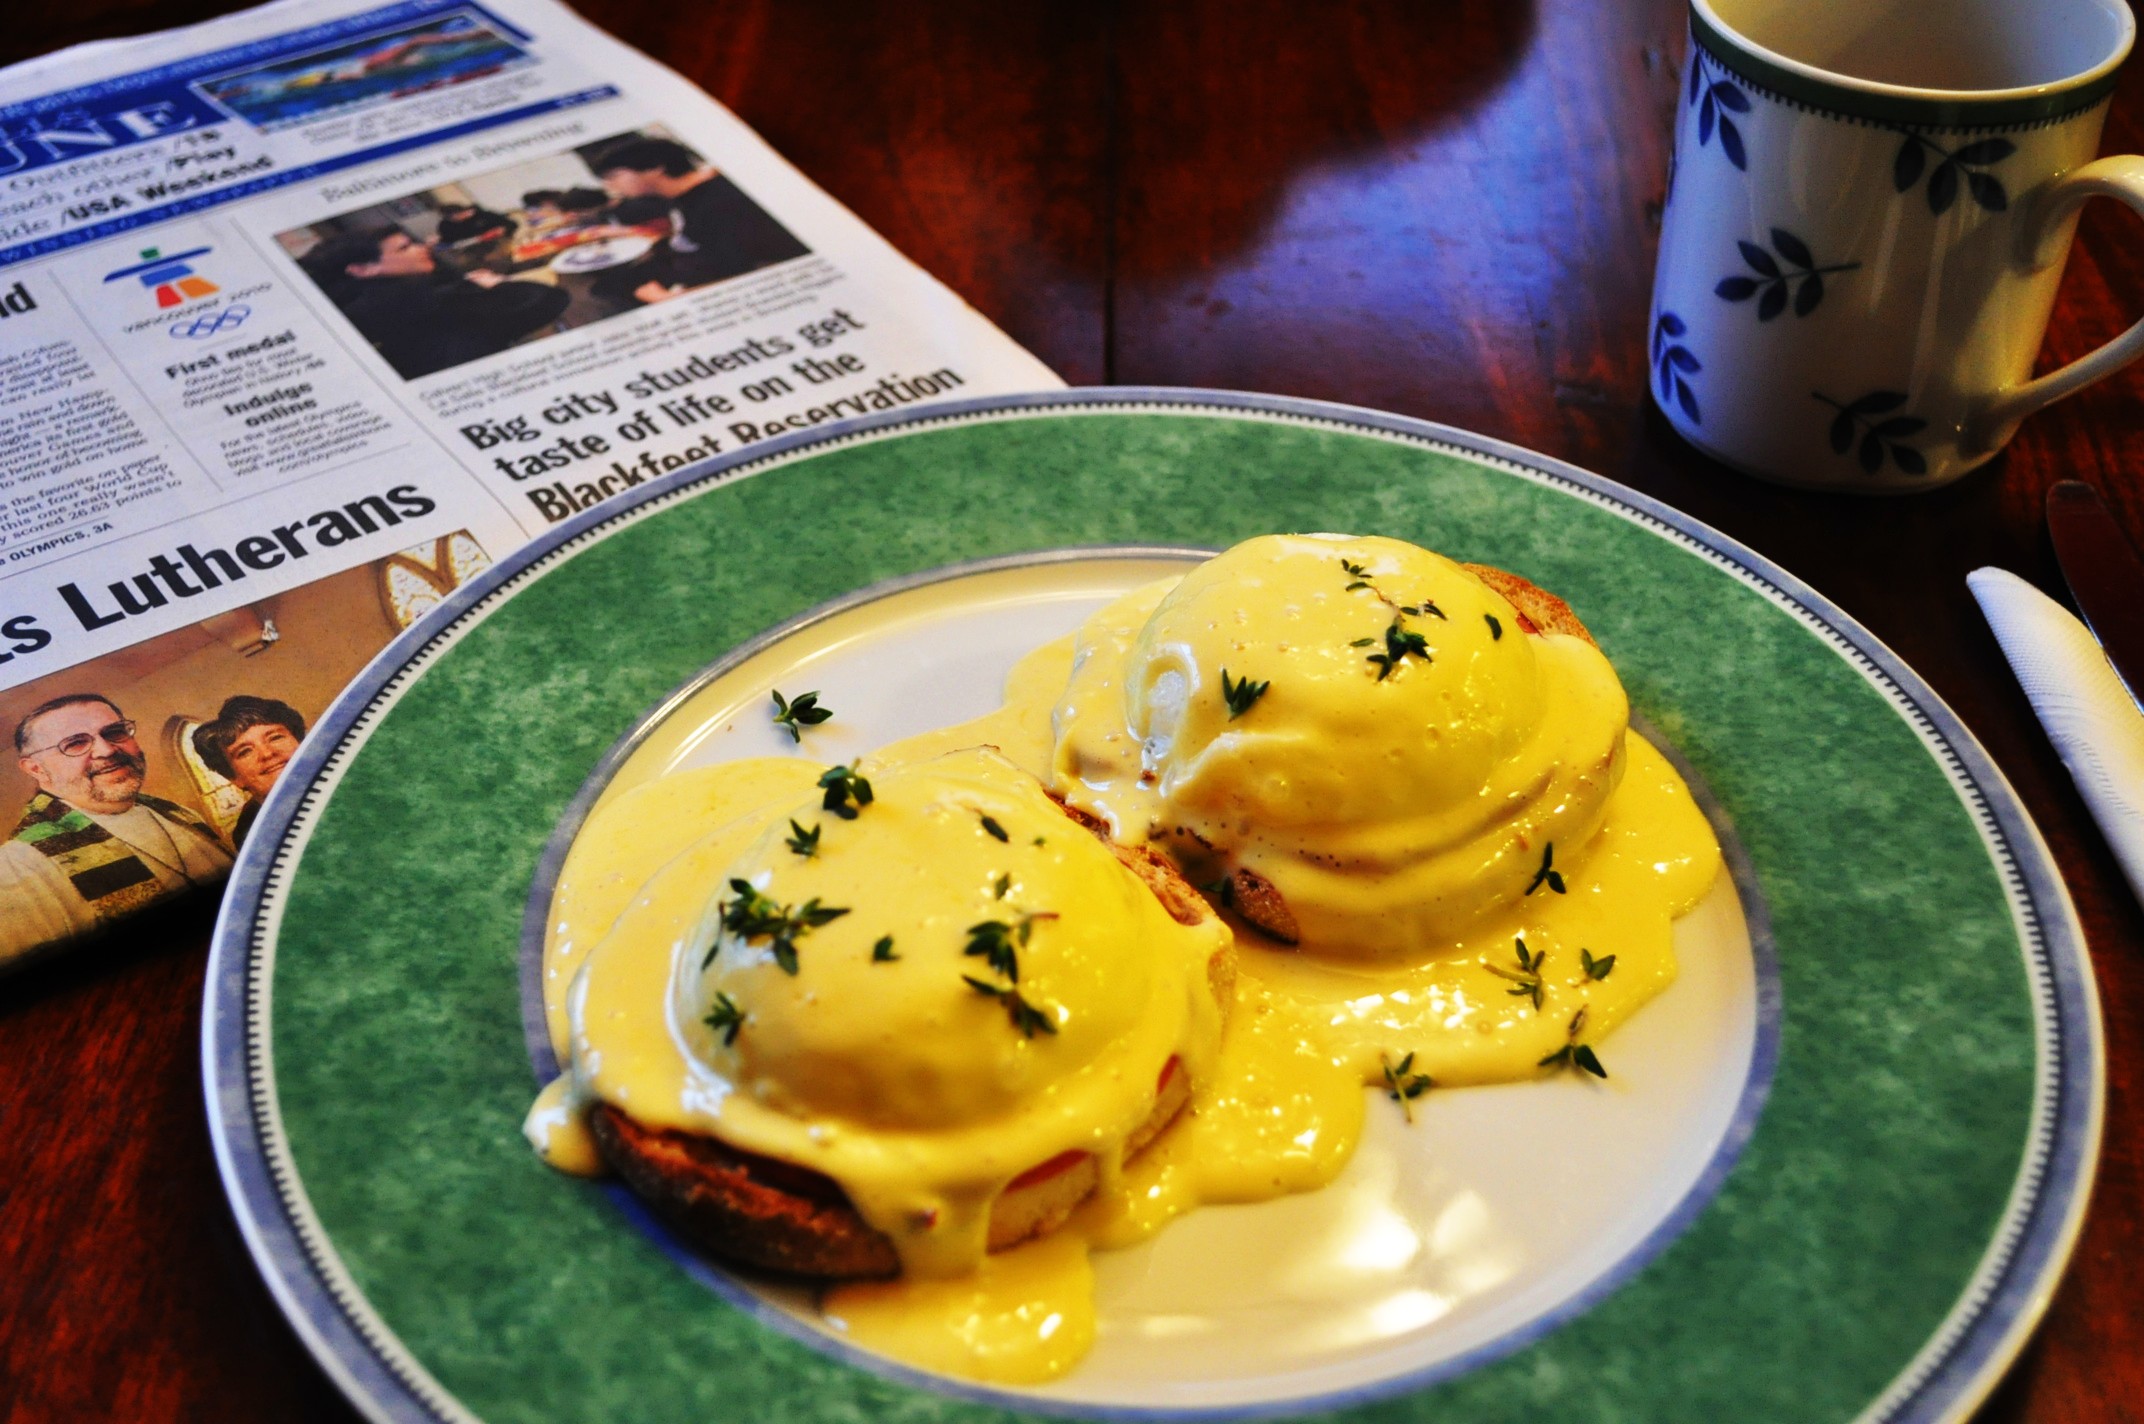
[(1882, 1204)]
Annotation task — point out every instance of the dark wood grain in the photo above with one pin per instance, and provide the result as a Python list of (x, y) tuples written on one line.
[(1445, 210)]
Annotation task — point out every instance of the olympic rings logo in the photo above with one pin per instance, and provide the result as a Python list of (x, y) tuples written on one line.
[(211, 323)]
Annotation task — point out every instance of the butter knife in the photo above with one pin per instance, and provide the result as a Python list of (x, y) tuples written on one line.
[(2105, 576)]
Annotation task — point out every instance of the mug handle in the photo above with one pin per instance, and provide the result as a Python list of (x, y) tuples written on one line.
[(2120, 177)]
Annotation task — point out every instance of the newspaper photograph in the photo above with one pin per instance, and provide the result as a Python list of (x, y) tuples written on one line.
[(308, 314)]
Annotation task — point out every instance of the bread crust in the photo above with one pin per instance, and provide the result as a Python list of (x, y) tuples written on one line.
[(1259, 902), (780, 1217), (739, 1205), (1539, 610)]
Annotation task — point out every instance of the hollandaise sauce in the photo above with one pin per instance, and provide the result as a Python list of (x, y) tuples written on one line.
[(1482, 865)]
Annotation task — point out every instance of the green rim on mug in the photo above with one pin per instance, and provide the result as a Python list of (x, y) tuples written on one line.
[(1874, 1240), (1873, 102)]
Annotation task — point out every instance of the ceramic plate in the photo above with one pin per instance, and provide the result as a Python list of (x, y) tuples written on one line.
[(601, 254), (1834, 1177)]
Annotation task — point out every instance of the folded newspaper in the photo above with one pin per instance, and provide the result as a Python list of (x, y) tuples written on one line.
[(310, 313)]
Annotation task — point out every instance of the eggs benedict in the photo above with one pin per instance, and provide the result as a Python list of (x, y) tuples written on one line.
[(1419, 774), (886, 1025), (1359, 724)]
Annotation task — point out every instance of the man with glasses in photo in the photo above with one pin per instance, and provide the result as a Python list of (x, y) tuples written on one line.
[(90, 846)]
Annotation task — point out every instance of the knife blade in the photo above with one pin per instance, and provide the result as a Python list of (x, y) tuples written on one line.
[(2105, 575)]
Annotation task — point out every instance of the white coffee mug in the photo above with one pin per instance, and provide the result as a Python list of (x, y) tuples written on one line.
[(1869, 210)]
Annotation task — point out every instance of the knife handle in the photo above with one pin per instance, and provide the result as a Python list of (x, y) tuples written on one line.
[(2045, 239)]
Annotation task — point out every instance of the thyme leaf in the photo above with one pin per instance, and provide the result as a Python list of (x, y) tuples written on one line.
[(750, 914), (1547, 874), (1402, 1085), (882, 952), (1240, 694), (1401, 643), (1574, 1054), (803, 842), (846, 792), (992, 941), (997, 832), (1025, 1016), (1596, 968), (1527, 976), (999, 942), (794, 717), (725, 1018)]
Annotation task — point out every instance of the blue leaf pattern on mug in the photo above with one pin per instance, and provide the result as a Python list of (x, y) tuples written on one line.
[(1731, 144), (1715, 100), (1952, 166), (1867, 429), (1802, 277), (1673, 363)]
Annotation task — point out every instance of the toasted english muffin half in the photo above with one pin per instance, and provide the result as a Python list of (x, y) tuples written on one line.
[(1539, 610), (776, 1216)]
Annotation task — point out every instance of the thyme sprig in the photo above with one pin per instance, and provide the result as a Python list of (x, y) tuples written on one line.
[(1427, 608), (1527, 976), (1240, 694), (1401, 643), (1403, 1085), (846, 792), (999, 942), (1548, 874), (725, 1018), (1574, 1054), (794, 717), (751, 914), (803, 842), (1025, 1016)]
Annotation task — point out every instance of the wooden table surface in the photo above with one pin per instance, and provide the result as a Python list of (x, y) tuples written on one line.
[(1447, 210)]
